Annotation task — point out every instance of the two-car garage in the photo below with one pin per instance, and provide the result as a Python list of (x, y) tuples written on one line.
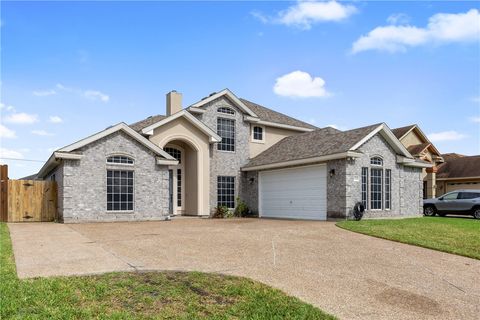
[(294, 193)]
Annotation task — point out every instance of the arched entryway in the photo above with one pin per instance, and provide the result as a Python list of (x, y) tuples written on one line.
[(184, 177)]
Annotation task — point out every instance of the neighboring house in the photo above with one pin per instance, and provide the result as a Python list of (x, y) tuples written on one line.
[(421, 148), (192, 160), (458, 172)]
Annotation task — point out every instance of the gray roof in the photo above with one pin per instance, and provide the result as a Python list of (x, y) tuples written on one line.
[(270, 115), (400, 132), (140, 125), (312, 144)]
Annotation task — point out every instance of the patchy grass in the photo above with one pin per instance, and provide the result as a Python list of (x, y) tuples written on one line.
[(453, 235), (152, 295)]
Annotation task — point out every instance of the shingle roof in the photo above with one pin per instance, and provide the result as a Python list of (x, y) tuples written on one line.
[(450, 156), (270, 115), (138, 126), (312, 144), (416, 149), (399, 132), (461, 167)]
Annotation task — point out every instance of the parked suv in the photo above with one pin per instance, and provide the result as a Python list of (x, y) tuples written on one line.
[(455, 202)]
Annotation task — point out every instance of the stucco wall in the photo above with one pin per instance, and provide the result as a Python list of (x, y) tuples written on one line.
[(272, 136), (406, 185), (224, 163), (84, 182)]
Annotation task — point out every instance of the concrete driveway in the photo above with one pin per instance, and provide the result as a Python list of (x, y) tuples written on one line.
[(349, 275)]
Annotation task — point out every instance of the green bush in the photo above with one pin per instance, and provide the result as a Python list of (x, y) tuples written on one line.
[(242, 209), (221, 212)]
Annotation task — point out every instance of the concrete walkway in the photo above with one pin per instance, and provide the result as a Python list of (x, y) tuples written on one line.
[(349, 275)]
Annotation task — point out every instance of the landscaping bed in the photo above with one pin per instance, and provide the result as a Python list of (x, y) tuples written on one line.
[(453, 235), (148, 295)]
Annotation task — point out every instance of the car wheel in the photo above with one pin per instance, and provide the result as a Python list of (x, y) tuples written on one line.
[(476, 213), (429, 211)]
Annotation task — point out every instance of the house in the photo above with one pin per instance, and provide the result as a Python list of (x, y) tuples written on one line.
[(458, 172), (421, 148), (190, 161)]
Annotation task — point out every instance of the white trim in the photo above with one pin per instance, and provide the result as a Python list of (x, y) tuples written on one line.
[(408, 162), (53, 161), (230, 95), (252, 139), (69, 156), (305, 161), (120, 126), (165, 162), (277, 125), (213, 137), (197, 110), (389, 136)]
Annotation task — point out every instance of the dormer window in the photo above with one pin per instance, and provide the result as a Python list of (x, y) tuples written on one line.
[(225, 110), (119, 160)]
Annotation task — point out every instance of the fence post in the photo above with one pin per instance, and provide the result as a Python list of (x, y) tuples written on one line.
[(3, 193)]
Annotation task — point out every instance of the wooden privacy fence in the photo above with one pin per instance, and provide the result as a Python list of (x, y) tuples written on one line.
[(28, 200)]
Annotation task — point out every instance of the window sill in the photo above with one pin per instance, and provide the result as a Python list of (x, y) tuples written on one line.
[(121, 211), (226, 151), (258, 141)]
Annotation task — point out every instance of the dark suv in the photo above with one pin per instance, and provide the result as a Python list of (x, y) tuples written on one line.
[(455, 202)]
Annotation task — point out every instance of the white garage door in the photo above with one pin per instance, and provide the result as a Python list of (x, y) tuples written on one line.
[(296, 193)]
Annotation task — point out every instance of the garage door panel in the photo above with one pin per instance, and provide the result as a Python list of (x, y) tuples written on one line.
[(298, 193)]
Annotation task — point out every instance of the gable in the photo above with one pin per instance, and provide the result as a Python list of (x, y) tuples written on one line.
[(225, 93)]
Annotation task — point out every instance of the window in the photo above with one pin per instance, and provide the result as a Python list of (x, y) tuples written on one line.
[(450, 196), (365, 187), (469, 195), (226, 130), (119, 190), (177, 154), (376, 161), (226, 191), (120, 160), (376, 188), (179, 187), (53, 178), (258, 133), (388, 188), (225, 110)]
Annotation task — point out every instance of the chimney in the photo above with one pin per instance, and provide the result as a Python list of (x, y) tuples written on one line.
[(174, 102)]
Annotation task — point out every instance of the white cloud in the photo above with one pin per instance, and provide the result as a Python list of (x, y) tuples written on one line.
[(446, 136), (6, 133), (475, 119), (56, 119), (306, 13), (7, 108), (300, 84), (7, 153), (21, 118), (41, 133), (398, 18), (44, 93), (96, 95), (476, 99), (441, 28)]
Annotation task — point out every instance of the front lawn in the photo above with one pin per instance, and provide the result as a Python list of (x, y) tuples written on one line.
[(159, 295), (453, 235)]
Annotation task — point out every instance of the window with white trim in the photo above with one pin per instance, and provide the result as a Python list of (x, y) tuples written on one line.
[(120, 190), (257, 133), (388, 189), (376, 161), (376, 187), (225, 110), (120, 160), (365, 187), (226, 191), (226, 130)]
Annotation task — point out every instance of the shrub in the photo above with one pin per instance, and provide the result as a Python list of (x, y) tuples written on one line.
[(242, 209), (221, 212)]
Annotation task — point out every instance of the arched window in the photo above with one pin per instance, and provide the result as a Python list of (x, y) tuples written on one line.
[(120, 160), (225, 110), (177, 154), (376, 161)]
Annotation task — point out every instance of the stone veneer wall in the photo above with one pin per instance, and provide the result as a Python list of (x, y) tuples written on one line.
[(84, 182), (336, 188), (406, 185), (225, 163), (249, 190)]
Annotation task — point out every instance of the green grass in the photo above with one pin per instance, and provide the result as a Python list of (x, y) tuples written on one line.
[(453, 235), (152, 295)]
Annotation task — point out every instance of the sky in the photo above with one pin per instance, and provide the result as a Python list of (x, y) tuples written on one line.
[(70, 69)]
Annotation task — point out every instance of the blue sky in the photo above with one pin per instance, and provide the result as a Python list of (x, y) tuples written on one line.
[(71, 69)]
